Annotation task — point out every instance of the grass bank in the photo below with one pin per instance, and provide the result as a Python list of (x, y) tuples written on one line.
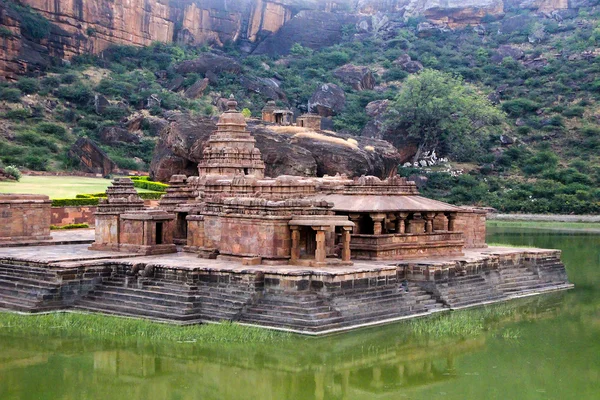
[(552, 225), (462, 323), (102, 327), (57, 187)]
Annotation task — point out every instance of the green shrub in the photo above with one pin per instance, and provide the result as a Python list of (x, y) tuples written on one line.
[(74, 202), (28, 85), (125, 162), (5, 32), (13, 171), (51, 82), (149, 185), (55, 130), (70, 226), (576, 111), (151, 195), (11, 95), (18, 114), (91, 195), (519, 106), (76, 93), (33, 24)]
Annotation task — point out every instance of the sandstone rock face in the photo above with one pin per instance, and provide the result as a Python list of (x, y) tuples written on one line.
[(116, 134), (91, 157), (267, 87), (181, 147), (313, 29), (360, 78), (209, 62), (197, 89), (328, 100), (266, 26)]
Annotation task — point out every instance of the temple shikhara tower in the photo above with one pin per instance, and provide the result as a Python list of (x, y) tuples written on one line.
[(313, 255)]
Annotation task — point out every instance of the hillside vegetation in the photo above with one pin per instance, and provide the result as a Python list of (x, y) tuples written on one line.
[(539, 75)]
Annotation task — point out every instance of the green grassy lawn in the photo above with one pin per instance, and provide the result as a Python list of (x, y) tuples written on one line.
[(57, 187), (545, 225)]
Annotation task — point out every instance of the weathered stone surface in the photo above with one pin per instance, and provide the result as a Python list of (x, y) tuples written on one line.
[(268, 88), (100, 104), (24, 217), (407, 64), (209, 62), (182, 144), (328, 100), (116, 134), (263, 26), (91, 157), (309, 28), (507, 51), (360, 78), (197, 89)]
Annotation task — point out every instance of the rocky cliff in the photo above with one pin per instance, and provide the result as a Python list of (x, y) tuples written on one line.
[(91, 26)]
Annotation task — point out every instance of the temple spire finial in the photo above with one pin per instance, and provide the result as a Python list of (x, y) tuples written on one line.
[(232, 104)]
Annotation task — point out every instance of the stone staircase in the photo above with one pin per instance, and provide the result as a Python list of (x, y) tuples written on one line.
[(303, 311), (518, 279), (312, 312), (462, 291), (28, 289), (165, 300)]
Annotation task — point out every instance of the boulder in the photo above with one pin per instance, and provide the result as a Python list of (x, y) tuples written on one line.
[(375, 128), (360, 78), (407, 64), (134, 122), (328, 100), (175, 84), (91, 158), (181, 146), (268, 88), (209, 62), (116, 134), (507, 51), (100, 104), (197, 89), (506, 140)]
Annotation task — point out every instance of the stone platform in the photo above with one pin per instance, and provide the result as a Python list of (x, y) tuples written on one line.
[(184, 289)]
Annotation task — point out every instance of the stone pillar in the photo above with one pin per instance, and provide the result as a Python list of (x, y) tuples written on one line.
[(400, 224), (429, 224), (295, 254), (377, 223), (346, 243), (356, 219), (451, 219), (320, 253)]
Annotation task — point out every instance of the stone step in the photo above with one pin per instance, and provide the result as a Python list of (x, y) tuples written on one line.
[(297, 314), (472, 301), (29, 294), (182, 296), (467, 290), (307, 310), (103, 300), (290, 322), (129, 311), (20, 270), (140, 298), (523, 278), (516, 288), (18, 303), (453, 301), (28, 281)]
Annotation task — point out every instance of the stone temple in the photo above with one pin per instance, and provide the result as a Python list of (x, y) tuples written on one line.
[(311, 255)]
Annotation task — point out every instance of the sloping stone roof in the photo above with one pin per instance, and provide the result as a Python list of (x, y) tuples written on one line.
[(379, 203)]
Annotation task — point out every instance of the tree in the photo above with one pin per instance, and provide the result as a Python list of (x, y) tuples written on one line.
[(441, 112)]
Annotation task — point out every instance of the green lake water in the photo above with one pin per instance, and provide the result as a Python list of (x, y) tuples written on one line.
[(548, 349)]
